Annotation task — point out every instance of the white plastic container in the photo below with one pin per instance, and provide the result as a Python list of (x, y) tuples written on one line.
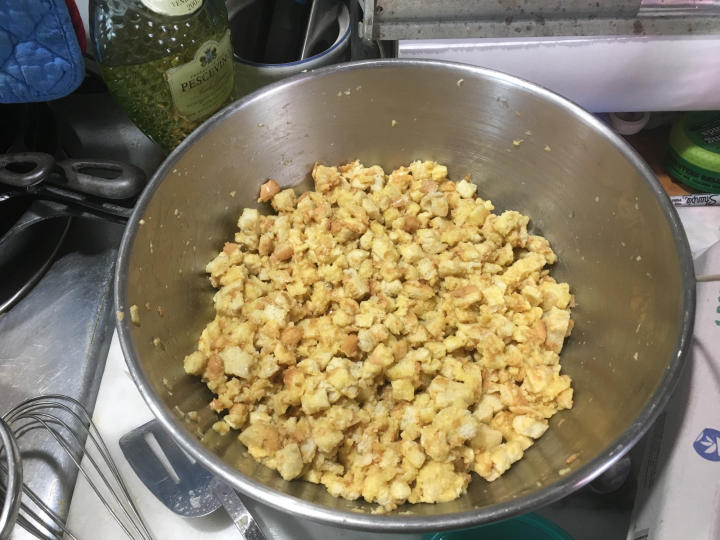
[(603, 74)]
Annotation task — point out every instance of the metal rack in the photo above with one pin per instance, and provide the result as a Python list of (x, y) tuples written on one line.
[(422, 19)]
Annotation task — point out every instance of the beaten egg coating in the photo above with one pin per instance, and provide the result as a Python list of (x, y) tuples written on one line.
[(385, 335)]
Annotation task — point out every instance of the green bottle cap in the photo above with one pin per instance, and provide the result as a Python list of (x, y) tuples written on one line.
[(694, 154)]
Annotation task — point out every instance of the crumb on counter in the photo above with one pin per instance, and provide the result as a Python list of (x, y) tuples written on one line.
[(120, 315), (386, 335)]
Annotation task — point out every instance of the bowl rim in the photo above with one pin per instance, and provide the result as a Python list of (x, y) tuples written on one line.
[(395, 522)]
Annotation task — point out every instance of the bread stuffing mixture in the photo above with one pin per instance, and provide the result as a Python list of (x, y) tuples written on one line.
[(385, 334)]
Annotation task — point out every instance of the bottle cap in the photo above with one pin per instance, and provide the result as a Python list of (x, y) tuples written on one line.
[(694, 154)]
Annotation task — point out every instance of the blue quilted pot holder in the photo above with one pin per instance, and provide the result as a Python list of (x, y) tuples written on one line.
[(40, 58)]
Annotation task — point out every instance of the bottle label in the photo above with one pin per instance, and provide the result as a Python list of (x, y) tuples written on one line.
[(173, 7), (202, 85)]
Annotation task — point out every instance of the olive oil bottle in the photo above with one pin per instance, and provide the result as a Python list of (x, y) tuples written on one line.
[(167, 62)]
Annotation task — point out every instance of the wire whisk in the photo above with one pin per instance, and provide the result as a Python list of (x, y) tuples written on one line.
[(68, 425)]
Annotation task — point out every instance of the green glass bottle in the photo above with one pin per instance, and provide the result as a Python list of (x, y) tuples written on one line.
[(167, 62)]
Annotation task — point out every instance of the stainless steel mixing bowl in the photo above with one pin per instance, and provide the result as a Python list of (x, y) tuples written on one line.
[(618, 240)]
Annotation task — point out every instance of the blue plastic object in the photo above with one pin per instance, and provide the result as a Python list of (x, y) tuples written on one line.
[(525, 527), (40, 58)]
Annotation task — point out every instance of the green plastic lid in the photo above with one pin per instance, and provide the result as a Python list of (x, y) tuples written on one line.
[(525, 527), (694, 153)]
